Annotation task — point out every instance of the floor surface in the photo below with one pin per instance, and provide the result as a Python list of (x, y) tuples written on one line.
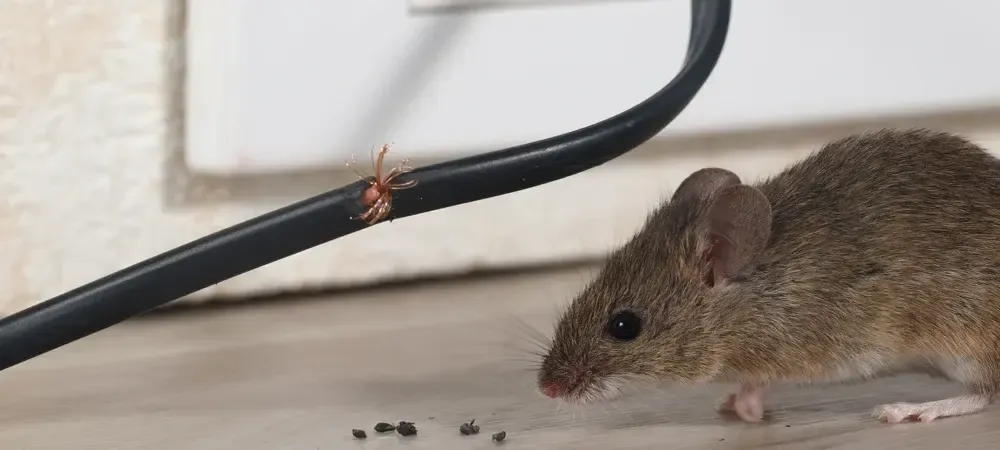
[(300, 374)]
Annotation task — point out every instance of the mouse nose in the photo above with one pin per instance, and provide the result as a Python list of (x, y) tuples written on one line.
[(552, 390)]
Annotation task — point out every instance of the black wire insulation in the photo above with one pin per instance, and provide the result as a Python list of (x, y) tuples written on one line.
[(325, 217)]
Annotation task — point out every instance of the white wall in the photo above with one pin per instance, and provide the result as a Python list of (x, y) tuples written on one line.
[(278, 86), (91, 176)]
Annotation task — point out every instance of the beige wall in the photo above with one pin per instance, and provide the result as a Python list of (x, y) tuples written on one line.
[(92, 177)]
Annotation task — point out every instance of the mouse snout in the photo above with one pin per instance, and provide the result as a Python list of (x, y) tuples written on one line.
[(552, 390)]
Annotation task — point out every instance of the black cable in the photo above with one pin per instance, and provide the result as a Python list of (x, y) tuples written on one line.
[(290, 230)]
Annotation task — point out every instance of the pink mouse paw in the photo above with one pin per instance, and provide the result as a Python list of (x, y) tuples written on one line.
[(927, 412), (748, 405), (750, 408), (898, 412), (726, 403)]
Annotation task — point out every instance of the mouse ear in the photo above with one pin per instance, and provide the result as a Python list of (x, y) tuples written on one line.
[(739, 226), (701, 185)]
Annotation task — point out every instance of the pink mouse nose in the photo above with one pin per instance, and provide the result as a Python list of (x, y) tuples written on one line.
[(552, 390)]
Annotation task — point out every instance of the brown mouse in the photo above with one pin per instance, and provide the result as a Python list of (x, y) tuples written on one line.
[(877, 254)]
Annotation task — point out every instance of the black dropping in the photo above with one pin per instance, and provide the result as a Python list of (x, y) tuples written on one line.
[(406, 428), (469, 428)]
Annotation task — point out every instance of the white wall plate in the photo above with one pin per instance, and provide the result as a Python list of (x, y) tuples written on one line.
[(278, 86)]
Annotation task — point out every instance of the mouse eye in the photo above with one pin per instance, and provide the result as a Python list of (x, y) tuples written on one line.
[(624, 326)]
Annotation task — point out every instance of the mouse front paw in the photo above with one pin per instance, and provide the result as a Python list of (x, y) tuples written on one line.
[(726, 404), (748, 404)]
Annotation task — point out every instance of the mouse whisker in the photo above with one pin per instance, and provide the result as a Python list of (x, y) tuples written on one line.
[(521, 345), (624, 412), (531, 333)]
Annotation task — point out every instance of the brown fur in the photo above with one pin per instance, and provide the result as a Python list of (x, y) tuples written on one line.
[(882, 253)]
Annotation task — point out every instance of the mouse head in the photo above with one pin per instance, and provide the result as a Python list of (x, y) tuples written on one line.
[(656, 311)]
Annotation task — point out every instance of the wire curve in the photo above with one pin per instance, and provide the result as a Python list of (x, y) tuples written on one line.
[(325, 217)]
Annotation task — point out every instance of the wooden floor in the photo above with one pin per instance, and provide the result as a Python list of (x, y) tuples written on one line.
[(300, 374)]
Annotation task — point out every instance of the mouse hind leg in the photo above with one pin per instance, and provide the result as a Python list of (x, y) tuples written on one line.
[(981, 378)]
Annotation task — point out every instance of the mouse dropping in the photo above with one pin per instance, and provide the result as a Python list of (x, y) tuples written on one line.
[(406, 428), (469, 428)]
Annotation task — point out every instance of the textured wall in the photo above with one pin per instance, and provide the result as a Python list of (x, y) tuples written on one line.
[(86, 136), (92, 179)]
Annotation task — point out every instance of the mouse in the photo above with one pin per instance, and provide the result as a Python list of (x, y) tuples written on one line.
[(876, 254)]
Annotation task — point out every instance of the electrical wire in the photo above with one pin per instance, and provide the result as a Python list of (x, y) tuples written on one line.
[(325, 217)]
